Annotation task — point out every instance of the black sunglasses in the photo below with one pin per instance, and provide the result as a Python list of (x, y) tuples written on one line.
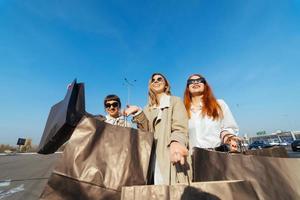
[(114, 105), (198, 80), (159, 79)]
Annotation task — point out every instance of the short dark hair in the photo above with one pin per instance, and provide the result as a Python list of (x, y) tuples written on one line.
[(112, 97)]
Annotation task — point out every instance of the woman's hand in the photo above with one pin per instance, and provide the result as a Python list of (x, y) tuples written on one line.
[(178, 152), (231, 140), (130, 110), (234, 143)]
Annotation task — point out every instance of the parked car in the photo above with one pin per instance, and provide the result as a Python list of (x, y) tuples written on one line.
[(295, 145), (259, 145), (273, 143), (283, 144), (279, 143)]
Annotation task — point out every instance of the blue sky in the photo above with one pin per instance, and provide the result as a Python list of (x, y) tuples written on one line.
[(248, 51)]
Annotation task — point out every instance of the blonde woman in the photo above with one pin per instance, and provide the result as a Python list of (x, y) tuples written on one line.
[(166, 117)]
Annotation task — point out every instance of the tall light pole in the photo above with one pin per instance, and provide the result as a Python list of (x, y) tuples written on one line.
[(128, 84)]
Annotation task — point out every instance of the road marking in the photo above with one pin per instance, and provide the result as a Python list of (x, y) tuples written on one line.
[(11, 191), (4, 183)]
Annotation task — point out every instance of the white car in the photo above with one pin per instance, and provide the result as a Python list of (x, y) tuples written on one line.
[(283, 143), (274, 143)]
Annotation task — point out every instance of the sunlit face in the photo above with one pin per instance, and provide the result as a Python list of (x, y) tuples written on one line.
[(158, 84), (112, 107), (196, 87)]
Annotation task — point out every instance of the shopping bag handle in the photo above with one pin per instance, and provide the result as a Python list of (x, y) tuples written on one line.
[(185, 171)]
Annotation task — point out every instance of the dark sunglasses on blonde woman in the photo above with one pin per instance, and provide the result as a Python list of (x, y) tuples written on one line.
[(194, 81), (159, 79), (114, 105)]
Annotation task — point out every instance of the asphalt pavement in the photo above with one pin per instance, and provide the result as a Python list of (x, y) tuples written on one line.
[(23, 176)]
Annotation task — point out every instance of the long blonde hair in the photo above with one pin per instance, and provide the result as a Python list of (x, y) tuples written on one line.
[(152, 100)]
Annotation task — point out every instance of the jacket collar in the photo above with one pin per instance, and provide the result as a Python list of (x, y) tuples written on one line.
[(112, 119), (164, 102)]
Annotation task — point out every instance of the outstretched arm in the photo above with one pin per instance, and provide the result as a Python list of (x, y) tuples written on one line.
[(139, 117)]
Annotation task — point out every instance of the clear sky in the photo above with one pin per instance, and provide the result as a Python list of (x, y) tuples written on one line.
[(249, 51)]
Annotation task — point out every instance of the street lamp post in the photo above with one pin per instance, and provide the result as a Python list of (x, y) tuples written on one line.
[(128, 84)]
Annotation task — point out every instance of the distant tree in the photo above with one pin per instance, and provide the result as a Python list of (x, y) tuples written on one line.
[(33, 148), (4, 147), (27, 146), (261, 133)]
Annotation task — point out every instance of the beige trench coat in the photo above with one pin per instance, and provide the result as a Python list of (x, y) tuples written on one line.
[(172, 125)]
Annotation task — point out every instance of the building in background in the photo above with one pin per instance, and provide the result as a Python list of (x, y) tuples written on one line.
[(277, 138)]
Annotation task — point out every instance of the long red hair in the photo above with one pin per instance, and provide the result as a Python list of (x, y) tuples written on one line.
[(210, 106)]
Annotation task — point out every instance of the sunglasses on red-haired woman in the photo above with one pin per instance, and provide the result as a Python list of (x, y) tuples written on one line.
[(195, 81)]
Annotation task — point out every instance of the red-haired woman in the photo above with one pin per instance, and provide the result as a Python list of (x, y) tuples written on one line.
[(210, 120)]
